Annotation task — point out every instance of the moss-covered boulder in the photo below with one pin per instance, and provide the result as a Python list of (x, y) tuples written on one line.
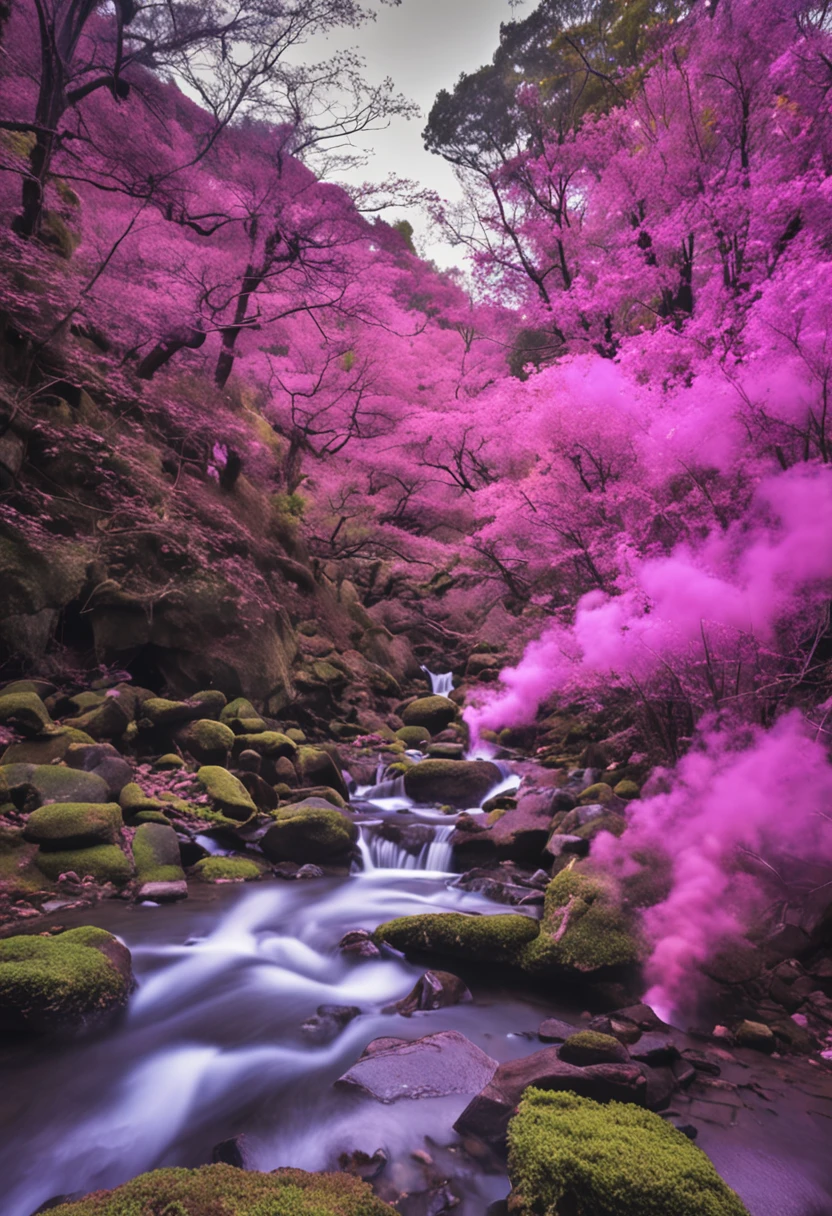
[(318, 835), (242, 717), (212, 702), (461, 783), (209, 742), (24, 712), (227, 869), (46, 748), (62, 983), (158, 864), (583, 928), (103, 862), (569, 1155), (157, 711), (600, 792), (134, 801), (224, 1190), (498, 939), (272, 743), (19, 876), (413, 736), (109, 720), (627, 790), (589, 1047), (317, 767), (228, 795), (74, 825), (34, 785), (433, 713)]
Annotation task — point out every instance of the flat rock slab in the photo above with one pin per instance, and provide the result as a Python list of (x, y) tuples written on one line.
[(432, 1067), (164, 892)]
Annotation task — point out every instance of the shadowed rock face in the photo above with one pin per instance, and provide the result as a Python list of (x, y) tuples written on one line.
[(432, 1067)]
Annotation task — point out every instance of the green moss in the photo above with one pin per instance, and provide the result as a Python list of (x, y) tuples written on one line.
[(24, 711), (610, 821), (74, 824), (626, 790), (572, 1155), (220, 869), (433, 713), (19, 876), (593, 1040), (56, 234), (206, 735), (597, 932), (413, 736), (53, 746), (600, 792), (51, 980), (498, 939), (297, 736), (105, 862), (242, 713), (589, 1047), (168, 762), (226, 793), (222, 1190), (156, 854), (133, 799), (268, 743), (160, 712), (313, 834)]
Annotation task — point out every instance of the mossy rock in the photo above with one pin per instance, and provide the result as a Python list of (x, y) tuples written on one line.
[(53, 746), (212, 701), (38, 784), (590, 1047), (209, 742), (109, 720), (583, 929), (228, 795), (570, 1155), (160, 712), (242, 717), (227, 869), (74, 825), (104, 862), (413, 736), (272, 743), (224, 1190), (156, 854), (133, 800), (62, 983), (297, 736), (599, 792), (460, 783), (433, 713), (626, 790), (149, 817), (318, 835), (169, 762), (315, 766), (24, 712), (327, 673), (498, 939), (19, 876), (610, 821)]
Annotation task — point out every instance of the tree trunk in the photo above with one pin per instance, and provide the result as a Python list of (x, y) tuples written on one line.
[(167, 348)]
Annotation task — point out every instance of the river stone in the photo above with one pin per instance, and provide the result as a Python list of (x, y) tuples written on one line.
[(64, 982), (434, 990), (209, 742), (432, 1067), (327, 1023), (74, 825), (460, 783), (309, 834), (226, 792), (552, 1030), (34, 785), (487, 1115), (160, 712), (316, 767), (43, 750), (109, 720), (103, 862), (158, 866), (433, 713), (518, 833)]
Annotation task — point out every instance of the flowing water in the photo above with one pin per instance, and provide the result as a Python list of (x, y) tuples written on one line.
[(211, 1046), (442, 684)]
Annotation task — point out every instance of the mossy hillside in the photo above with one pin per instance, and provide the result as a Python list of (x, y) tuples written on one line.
[(572, 1155), (228, 795), (227, 869), (223, 1190), (48, 982), (105, 862), (499, 939), (73, 825), (312, 834), (156, 854), (583, 928)]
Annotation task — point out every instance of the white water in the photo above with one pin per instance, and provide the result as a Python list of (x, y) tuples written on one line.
[(442, 684), (379, 854)]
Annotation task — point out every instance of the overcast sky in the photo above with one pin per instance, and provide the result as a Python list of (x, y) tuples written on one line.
[(423, 45)]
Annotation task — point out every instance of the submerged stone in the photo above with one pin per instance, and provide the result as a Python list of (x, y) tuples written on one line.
[(431, 1067)]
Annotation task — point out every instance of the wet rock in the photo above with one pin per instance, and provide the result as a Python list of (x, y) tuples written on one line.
[(435, 1202), (231, 1152), (489, 939), (359, 942), (488, 1114), (518, 833), (241, 716), (569, 845), (168, 892), (261, 793), (446, 751), (315, 767), (327, 1023), (588, 1047), (431, 1067), (707, 1062), (620, 1028), (655, 1049), (249, 761), (309, 871), (461, 783), (433, 713), (434, 990), (62, 983), (109, 720), (363, 1165), (755, 1035), (736, 962), (641, 1015), (160, 712), (552, 1030)]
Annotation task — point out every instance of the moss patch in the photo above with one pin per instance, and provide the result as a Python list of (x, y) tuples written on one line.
[(24, 711), (569, 1154), (48, 982), (156, 853), (228, 795), (105, 862), (497, 939), (225, 869), (222, 1190), (596, 933)]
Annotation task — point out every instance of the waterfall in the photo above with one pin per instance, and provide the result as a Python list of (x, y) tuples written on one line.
[(436, 856), (442, 685)]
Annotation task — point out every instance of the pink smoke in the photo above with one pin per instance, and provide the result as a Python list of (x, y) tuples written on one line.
[(767, 792)]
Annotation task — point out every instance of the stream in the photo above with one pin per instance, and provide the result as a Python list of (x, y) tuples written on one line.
[(211, 1046)]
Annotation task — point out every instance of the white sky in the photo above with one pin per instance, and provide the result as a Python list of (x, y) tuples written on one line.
[(423, 45)]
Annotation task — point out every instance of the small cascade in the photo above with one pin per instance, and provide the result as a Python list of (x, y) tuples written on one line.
[(442, 684), (377, 853)]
